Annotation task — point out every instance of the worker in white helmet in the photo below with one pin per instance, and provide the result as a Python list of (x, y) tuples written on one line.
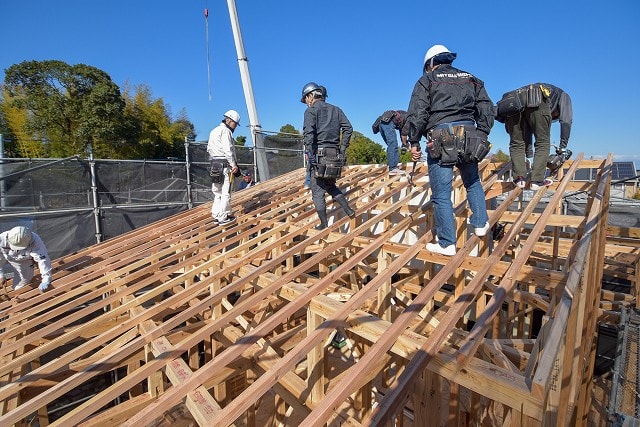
[(223, 163), (22, 248), (452, 110)]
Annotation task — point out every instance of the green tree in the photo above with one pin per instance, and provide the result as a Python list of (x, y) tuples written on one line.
[(501, 157), (17, 143), (363, 150), (240, 141), (152, 131), (68, 106), (287, 130), (53, 109)]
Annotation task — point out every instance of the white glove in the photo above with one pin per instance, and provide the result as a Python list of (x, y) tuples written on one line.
[(44, 285)]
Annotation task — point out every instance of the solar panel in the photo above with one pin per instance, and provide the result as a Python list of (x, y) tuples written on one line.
[(623, 170), (619, 171)]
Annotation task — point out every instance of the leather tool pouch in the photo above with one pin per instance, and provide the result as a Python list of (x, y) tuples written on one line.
[(510, 104), (534, 96), (446, 144), (476, 146), (216, 170), (329, 163)]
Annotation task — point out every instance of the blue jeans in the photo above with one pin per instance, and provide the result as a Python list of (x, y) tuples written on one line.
[(441, 179), (388, 132)]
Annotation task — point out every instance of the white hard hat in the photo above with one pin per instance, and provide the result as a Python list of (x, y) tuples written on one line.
[(19, 237), (434, 50), (233, 115)]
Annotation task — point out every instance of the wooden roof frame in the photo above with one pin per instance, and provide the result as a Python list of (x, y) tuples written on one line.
[(219, 318)]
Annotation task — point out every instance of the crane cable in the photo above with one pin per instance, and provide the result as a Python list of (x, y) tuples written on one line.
[(206, 20)]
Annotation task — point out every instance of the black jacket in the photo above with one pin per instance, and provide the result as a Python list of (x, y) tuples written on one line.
[(445, 95), (398, 117), (323, 124), (561, 110)]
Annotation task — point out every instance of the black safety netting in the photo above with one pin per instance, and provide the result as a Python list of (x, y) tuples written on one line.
[(284, 153), (73, 203)]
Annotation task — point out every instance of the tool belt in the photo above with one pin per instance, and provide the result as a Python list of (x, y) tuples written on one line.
[(516, 101), (386, 117), (453, 143), (329, 162), (216, 170)]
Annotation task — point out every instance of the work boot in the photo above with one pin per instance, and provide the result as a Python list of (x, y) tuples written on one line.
[(322, 215), (345, 205)]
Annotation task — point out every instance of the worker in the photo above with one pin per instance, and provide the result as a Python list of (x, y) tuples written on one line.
[(21, 248), (247, 181), (307, 177), (539, 105), (222, 151), (326, 136), (452, 109), (387, 124)]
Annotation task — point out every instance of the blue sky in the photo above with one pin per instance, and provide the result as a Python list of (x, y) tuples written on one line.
[(367, 53)]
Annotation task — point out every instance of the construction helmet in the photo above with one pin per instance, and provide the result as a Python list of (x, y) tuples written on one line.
[(233, 115), (434, 51), (19, 237), (308, 88)]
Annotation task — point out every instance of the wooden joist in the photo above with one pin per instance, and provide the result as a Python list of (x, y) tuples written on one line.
[(232, 324)]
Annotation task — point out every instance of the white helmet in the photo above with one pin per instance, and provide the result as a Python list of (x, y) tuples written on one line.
[(19, 237), (233, 115), (434, 50)]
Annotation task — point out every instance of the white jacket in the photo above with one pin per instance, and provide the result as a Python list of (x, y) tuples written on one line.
[(220, 145), (23, 258)]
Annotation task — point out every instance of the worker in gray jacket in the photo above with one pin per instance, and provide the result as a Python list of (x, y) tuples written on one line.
[(327, 133), (21, 248)]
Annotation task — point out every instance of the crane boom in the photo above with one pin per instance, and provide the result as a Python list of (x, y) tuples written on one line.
[(243, 63)]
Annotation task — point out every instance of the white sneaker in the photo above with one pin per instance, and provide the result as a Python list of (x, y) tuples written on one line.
[(537, 185), (482, 231), (395, 171), (19, 286), (437, 249)]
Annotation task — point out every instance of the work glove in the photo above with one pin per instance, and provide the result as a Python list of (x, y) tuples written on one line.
[(44, 285)]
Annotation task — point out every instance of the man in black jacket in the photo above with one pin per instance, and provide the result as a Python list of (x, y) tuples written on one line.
[(448, 105), (326, 136)]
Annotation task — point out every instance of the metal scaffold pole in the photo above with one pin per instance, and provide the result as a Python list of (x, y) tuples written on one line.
[(261, 156)]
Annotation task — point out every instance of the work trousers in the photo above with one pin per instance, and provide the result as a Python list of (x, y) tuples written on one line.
[(221, 207), (532, 121), (388, 132), (441, 179), (321, 186)]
